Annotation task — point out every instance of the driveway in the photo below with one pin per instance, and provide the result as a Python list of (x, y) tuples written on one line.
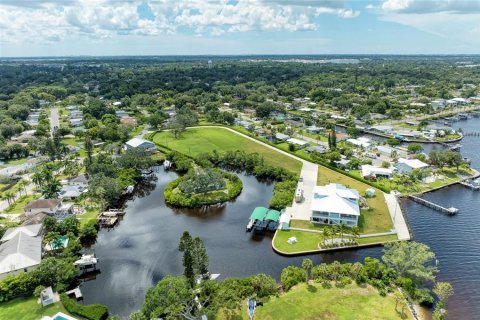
[(54, 120)]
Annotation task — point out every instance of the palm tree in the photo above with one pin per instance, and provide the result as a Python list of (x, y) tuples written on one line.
[(355, 230), (307, 265), (326, 234), (341, 230), (22, 184)]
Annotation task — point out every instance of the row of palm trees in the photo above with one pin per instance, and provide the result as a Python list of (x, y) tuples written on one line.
[(333, 231), (10, 196)]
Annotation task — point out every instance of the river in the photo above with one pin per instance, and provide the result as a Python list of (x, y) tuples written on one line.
[(143, 247)]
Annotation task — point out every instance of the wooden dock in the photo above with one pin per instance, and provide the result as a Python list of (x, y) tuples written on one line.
[(107, 221), (449, 211)]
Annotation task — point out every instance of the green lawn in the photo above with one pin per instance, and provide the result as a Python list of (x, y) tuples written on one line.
[(88, 216), (136, 131), (20, 203), (28, 309), (71, 141), (375, 220), (16, 162), (195, 141), (313, 302), (309, 241)]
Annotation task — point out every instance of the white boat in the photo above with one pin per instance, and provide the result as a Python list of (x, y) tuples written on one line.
[(86, 260)]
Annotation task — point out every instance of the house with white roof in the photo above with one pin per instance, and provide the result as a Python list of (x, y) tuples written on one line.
[(372, 172), (140, 143), (335, 204), (360, 142), (408, 165), (21, 250), (299, 143)]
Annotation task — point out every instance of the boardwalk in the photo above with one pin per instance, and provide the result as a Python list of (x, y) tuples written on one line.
[(449, 211)]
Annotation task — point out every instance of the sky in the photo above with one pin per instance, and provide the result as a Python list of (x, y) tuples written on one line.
[(237, 27)]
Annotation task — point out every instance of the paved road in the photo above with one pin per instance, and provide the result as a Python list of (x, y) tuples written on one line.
[(54, 120), (21, 167)]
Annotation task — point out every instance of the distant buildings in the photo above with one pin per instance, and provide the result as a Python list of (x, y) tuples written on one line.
[(335, 204)]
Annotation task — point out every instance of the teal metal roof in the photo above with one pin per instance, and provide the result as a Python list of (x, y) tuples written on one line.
[(273, 215), (259, 213)]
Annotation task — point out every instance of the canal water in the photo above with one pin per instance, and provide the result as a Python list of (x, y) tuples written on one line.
[(143, 247)]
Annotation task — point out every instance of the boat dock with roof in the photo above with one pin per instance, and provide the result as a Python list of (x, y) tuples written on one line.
[(263, 219)]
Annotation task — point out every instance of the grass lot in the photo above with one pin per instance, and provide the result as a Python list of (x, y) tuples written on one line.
[(20, 203), (313, 302), (15, 162), (88, 216), (71, 141), (374, 220), (195, 141), (309, 241), (28, 309), (136, 131)]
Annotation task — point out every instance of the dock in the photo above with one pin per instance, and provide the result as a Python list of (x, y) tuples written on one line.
[(113, 213), (449, 211), (263, 219), (470, 185), (107, 221), (75, 293)]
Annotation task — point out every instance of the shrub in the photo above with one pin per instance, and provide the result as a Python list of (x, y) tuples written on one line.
[(292, 276), (326, 284), (90, 312)]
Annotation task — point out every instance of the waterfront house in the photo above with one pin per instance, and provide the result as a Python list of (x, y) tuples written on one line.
[(71, 192), (408, 165), (293, 123), (140, 143), (384, 150), (381, 129), (372, 172), (360, 142), (21, 250), (335, 204), (438, 104), (48, 206)]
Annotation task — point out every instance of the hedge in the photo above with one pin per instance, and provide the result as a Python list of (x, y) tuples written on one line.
[(90, 311)]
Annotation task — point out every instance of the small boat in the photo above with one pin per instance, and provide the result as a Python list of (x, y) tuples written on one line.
[(251, 304), (250, 225), (129, 189)]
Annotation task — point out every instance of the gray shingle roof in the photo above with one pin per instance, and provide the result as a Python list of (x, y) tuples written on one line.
[(22, 251), (32, 230)]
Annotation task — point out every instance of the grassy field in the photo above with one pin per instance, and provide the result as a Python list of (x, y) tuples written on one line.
[(374, 220), (20, 203), (195, 141), (15, 162), (309, 241), (88, 216), (313, 302), (28, 309)]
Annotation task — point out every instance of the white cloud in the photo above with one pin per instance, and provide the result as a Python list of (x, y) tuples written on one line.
[(52, 20), (457, 20)]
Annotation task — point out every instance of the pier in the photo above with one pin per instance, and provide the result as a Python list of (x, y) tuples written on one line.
[(470, 185), (449, 211)]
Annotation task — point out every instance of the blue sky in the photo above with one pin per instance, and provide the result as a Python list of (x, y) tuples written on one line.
[(175, 27)]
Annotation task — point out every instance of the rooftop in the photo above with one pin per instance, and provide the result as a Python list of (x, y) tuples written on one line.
[(43, 203), (336, 198)]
